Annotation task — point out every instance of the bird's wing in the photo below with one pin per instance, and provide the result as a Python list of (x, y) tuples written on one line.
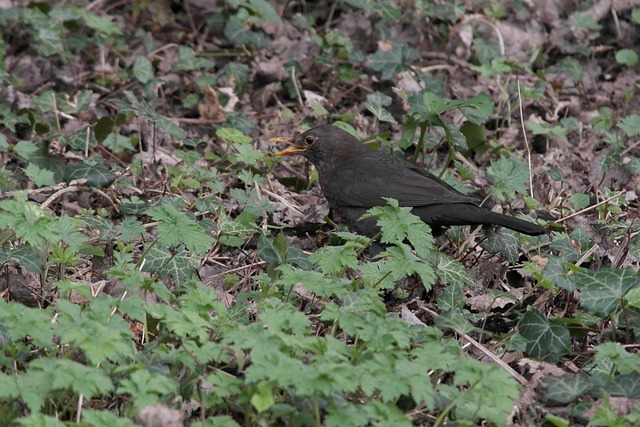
[(410, 185)]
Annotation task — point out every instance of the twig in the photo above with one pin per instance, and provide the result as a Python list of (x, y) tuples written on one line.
[(295, 85), (615, 196), (629, 148), (526, 140), (59, 193)]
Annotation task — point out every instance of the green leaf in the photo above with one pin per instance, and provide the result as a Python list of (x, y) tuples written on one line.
[(566, 388), (376, 103), (105, 418), (584, 20), (68, 228), (569, 66), (147, 388), (398, 262), (452, 272), (36, 419), (604, 120), (545, 128), (505, 241), (557, 271), (25, 255), (452, 298), (238, 32), (87, 330), (398, 223), (579, 201), (65, 374), (264, 9), (335, 259), (630, 125), (239, 74), (262, 399), (546, 339), (235, 232), (179, 264), (627, 57), (233, 136), (23, 322), (491, 394), (478, 108), (189, 61), (313, 281), (95, 172), (389, 63), (143, 109), (176, 228), (496, 67), (104, 25), (29, 222), (603, 291), (614, 353), (508, 177), (143, 69), (40, 177), (130, 229)]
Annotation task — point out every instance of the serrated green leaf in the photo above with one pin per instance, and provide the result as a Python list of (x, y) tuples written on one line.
[(508, 176), (630, 125), (176, 228), (40, 177)]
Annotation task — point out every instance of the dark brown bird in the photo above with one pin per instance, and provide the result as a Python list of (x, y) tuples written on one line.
[(355, 178)]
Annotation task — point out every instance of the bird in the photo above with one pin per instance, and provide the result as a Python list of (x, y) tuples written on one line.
[(355, 178)]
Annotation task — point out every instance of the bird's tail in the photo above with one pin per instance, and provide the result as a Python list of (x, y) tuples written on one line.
[(516, 224), (468, 214)]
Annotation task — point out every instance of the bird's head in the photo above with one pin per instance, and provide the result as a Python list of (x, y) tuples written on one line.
[(320, 144)]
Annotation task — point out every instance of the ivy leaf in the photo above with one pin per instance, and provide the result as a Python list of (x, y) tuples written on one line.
[(452, 272), (389, 63), (478, 108), (376, 103), (264, 9), (189, 61), (505, 241), (546, 339), (557, 271), (143, 69), (178, 264), (604, 290), (565, 388)]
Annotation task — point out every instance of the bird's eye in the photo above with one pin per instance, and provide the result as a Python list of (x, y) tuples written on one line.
[(309, 140)]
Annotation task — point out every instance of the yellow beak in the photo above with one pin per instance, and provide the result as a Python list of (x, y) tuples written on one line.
[(294, 149)]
